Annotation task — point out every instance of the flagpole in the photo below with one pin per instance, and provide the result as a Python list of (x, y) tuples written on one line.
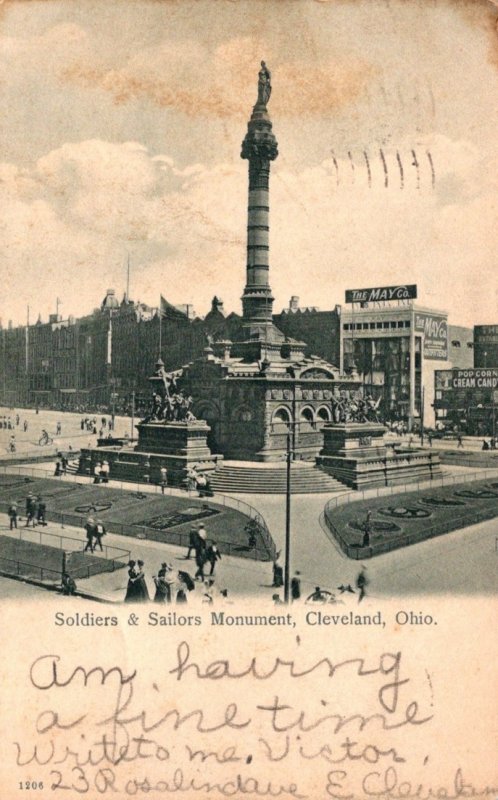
[(160, 328), (27, 339)]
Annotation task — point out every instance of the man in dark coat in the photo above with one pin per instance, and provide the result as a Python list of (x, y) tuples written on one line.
[(90, 534), (296, 586), (213, 555), (193, 542)]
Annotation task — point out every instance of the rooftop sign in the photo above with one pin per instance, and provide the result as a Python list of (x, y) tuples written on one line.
[(382, 293)]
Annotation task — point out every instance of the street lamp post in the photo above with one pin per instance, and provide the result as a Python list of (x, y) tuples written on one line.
[(287, 518), (132, 414), (422, 414)]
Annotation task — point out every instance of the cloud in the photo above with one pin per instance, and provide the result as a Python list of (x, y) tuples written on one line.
[(69, 220), (173, 75)]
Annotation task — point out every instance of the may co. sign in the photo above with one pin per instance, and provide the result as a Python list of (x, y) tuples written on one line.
[(381, 293), (435, 330)]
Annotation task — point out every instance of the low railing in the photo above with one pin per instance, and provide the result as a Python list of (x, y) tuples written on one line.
[(60, 541), (268, 553), (354, 495), (12, 566)]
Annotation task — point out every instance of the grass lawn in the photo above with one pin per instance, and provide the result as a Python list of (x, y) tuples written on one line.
[(402, 519), (44, 563), (161, 518)]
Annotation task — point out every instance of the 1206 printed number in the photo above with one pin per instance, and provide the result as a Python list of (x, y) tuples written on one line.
[(28, 785)]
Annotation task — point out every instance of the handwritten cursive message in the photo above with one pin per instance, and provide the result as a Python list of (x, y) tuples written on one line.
[(264, 725)]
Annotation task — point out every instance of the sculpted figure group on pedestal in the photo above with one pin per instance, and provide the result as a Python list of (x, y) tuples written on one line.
[(169, 403), (347, 408)]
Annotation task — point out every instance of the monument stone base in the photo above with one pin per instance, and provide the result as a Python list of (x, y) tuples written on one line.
[(176, 446), (356, 454)]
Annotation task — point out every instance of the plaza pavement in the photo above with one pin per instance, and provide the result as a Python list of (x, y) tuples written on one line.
[(463, 561), (73, 436)]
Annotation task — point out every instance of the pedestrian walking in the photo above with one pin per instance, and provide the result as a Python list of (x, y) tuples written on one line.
[(212, 556), (12, 512), (163, 478), (193, 542), (97, 472), (296, 586), (163, 582), (460, 440), (202, 537), (361, 584), (131, 588), (58, 429), (142, 591), (30, 509), (278, 572), (99, 532), (90, 534), (200, 560), (58, 468), (41, 512), (105, 471), (25, 425), (64, 463)]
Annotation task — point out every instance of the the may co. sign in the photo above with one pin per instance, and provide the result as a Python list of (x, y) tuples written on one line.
[(381, 294), (435, 330)]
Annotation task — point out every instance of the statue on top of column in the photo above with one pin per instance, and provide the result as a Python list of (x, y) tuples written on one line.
[(264, 84)]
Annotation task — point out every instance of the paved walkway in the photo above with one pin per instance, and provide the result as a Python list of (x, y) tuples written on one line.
[(463, 561)]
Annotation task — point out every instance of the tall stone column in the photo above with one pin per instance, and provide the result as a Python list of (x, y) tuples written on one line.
[(259, 148)]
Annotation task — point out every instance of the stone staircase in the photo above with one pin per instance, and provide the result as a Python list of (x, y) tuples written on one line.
[(253, 478)]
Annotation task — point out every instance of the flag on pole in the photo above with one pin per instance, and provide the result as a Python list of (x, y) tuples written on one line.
[(169, 311)]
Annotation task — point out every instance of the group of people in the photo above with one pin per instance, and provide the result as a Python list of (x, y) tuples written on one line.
[(198, 482), (205, 553), (101, 472), (324, 596), (278, 580), (95, 531), (89, 424), (36, 510), (7, 423), (491, 445), (61, 465), (169, 586)]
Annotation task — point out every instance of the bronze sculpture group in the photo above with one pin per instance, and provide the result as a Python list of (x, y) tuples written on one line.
[(169, 402), (355, 409)]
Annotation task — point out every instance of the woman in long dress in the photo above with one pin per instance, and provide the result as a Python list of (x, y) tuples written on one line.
[(142, 591), (163, 585), (131, 589)]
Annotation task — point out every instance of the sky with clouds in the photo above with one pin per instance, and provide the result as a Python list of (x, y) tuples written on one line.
[(121, 134)]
